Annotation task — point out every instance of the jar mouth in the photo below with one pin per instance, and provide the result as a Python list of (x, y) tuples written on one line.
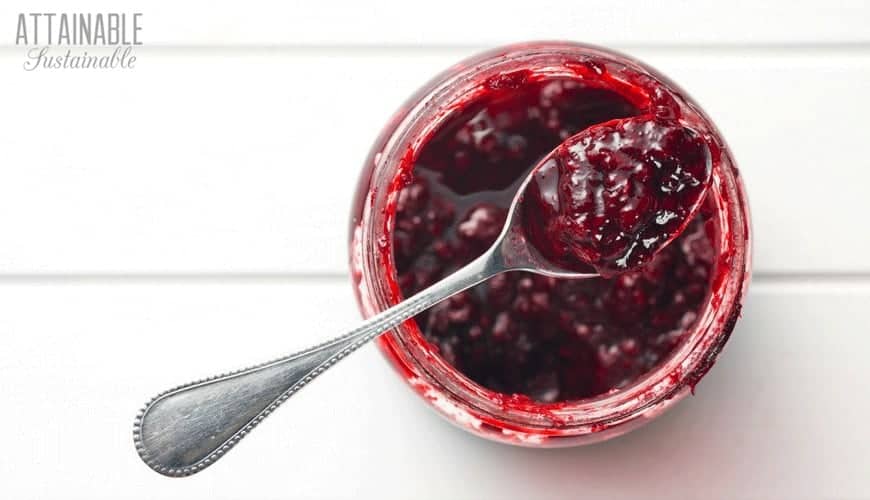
[(450, 390)]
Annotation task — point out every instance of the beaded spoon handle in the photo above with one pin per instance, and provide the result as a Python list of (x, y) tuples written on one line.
[(184, 430)]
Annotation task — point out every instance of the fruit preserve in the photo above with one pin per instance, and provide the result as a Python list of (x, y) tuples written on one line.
[(612, 196), (535, 360)]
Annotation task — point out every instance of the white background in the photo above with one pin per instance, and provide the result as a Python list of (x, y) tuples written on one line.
[(189, 216)]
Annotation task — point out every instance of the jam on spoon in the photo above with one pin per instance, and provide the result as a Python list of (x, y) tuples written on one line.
[(616, 193)]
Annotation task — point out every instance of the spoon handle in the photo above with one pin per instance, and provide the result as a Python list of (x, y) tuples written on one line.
[(186, 429)]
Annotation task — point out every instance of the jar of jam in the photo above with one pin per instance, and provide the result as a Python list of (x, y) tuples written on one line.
[(521, 358)]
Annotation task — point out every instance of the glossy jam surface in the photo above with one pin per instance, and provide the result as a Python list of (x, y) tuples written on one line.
[(549, 340), (616, 193)]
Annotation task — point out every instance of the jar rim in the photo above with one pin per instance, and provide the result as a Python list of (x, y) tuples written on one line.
[(455, 394)]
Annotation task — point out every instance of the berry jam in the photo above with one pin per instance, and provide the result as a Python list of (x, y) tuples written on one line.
[(543, 338), (615, 194)]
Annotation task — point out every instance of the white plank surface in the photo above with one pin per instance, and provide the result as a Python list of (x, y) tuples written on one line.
[(782, 415), (173, 221), (451, 22), (222, 160)]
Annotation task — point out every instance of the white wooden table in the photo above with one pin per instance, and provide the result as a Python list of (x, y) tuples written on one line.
[(159, 224)]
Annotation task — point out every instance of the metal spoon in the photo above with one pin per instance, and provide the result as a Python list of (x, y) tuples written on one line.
[(184, 430)]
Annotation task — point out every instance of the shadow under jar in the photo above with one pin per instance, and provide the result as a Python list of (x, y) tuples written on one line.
[(526, 359)]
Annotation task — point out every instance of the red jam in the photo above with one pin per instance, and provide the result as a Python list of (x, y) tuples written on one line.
[(547, 339), (615, 194)]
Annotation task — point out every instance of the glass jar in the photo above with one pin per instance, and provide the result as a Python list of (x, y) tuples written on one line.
[(467, 404)]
